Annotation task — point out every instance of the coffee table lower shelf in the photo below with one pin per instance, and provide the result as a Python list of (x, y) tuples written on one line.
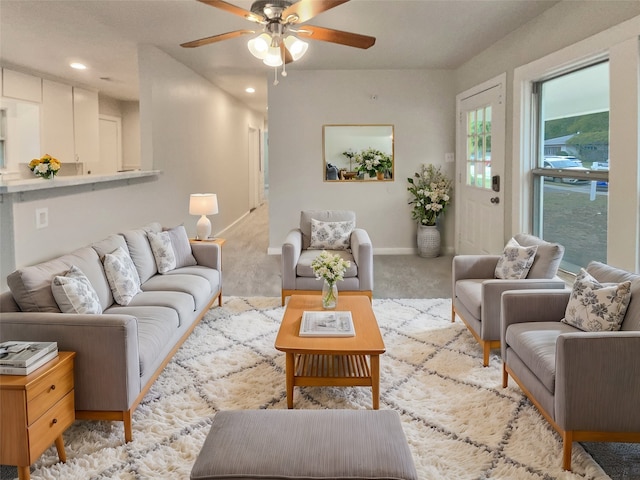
[(313, 370)]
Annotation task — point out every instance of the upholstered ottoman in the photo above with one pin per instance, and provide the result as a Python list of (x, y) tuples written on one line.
[(305, 444)]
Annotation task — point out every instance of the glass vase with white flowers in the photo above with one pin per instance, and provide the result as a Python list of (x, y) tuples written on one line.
[(331, 268)]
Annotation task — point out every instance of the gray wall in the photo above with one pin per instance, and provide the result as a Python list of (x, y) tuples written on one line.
[(421, 106)]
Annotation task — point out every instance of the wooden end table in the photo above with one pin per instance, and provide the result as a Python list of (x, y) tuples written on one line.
[(332, 361), (36, 410)]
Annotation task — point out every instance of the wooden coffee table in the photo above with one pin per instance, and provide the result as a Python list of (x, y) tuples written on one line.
[(330, 361)]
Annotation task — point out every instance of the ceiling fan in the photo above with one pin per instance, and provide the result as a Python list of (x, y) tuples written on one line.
[(276, 44)]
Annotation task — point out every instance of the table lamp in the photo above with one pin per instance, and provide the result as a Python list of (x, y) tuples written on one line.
[(203, 204)]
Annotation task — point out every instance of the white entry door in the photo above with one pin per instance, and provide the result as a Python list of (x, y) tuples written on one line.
[(479, 192)]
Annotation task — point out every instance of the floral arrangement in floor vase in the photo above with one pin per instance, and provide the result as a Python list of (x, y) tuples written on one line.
[(430, 190), (330, 268), (45, 166), (373, 162)]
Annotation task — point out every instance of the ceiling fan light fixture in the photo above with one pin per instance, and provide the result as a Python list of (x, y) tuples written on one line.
[(259, 46), (297, 48), (273, 58)]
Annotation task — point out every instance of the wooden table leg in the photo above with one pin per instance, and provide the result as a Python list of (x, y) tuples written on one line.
[(24, 473), (62, 455), (375, 381), (290, 377)]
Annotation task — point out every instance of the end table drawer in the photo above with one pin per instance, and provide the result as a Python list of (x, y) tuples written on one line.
[(51, 425), (48, 390)]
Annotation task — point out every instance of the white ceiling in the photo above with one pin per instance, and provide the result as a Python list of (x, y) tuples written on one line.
[(44, 36)]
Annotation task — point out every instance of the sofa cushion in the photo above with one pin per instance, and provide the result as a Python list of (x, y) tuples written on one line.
[(331, 235), (31, 286), (303, 269), (157, 329), (140, 250), (181, 247), (535, 344), (181, 302), (211, 275), (323, 215), (515, 262), (74, 293), (596, 307), (195, 285), (122, 275), (162, 251), (547, 259)]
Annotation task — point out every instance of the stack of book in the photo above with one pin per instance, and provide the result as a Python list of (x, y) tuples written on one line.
[(22, 358)]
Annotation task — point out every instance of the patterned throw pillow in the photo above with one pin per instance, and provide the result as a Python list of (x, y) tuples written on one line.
[(162, 251), (515, 261), (122, 276), (331, 235), (597, 307), (74, 293)]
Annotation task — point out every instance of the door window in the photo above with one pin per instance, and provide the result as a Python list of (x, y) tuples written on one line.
[(479, 147)]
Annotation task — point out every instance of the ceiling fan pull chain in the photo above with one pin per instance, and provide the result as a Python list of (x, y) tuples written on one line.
[(275, 81), (284, 63)]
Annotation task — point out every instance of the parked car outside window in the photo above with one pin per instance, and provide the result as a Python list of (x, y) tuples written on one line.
[(564, 163)]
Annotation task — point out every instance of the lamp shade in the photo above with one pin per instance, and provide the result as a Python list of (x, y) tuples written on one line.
[(259, 46), (203, 204)]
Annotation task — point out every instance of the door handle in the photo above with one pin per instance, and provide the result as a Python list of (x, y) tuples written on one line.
[(495, 200)]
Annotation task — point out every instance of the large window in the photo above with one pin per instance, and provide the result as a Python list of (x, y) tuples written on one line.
[(571, 178)]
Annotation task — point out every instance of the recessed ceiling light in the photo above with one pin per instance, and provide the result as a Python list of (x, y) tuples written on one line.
[(78, 66), (250, 90)]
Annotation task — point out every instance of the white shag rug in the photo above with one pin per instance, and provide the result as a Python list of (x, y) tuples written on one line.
[(459, 421)]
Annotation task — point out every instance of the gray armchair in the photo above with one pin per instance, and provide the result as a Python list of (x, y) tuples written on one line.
[(585, 384), (297, 275), (476, 292)]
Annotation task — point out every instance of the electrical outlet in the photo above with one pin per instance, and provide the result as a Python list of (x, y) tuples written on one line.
[(42, 218), (449, 157)]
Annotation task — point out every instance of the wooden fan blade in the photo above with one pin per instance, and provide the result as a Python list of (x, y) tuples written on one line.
[(285, 51), (307, 9), (215, 38), (228, 7), (336, 36)]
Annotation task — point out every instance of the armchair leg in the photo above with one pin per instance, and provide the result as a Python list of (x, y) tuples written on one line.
[(567, 444), (505, 376), (486, 351), (453, 313)]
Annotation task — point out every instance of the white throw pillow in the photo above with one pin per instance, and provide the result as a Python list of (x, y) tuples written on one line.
[(122, 276), (331, 235), (515, 261), (74, 293), (162, 251), (596, 307)]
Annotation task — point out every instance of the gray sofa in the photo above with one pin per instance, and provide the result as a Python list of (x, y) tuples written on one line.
[(123, 349), (585, 383)]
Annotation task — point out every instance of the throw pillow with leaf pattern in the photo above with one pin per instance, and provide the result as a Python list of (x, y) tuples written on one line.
[(596, 307), (331, 235)]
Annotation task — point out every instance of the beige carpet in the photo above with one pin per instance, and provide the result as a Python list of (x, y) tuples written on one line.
[(459, 422)]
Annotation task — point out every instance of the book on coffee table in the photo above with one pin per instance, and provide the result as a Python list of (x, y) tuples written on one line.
[(326, 324)]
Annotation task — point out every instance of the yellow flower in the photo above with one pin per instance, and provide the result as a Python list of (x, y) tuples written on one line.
[(34, 162)]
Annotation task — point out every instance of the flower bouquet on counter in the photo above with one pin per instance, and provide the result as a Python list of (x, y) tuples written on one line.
[(45, 167)]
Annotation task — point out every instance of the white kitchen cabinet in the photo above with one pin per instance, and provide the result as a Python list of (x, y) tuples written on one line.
[(21, 86), (57, 121)]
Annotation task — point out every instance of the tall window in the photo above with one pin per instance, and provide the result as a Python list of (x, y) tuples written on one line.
[(572, 175)]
